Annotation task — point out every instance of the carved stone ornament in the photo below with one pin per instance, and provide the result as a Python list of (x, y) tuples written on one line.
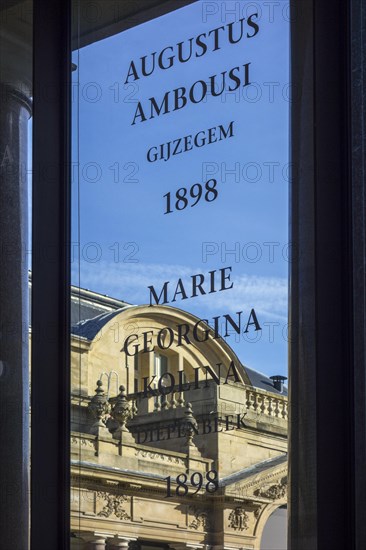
[(190, 424), (114, 504), (257, 512), (275, 491), (238, 519), (201, 520), (121, 411), (159, 456), (99, 407)]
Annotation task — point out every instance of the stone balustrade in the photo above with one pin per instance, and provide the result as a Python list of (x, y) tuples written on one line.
[(153, 404), (251, 399), (137, 412), (257, 405), (266, 404)]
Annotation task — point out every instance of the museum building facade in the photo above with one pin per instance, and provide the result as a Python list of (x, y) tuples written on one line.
[(176, 448)]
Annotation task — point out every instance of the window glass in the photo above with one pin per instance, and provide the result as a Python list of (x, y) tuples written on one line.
[(180, 274)]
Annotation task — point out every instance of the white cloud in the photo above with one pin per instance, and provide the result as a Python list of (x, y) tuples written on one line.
[(129, 282)]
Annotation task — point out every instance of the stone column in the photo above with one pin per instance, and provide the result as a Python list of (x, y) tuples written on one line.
[(97, 544), (15, 110), (120, 543), (151, 401), (130, 374), (180, 398), (95, 540)]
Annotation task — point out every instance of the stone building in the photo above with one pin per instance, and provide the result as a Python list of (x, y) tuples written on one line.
[(141, 420)]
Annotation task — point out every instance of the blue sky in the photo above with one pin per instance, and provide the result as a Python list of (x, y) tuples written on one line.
[(250, 214)]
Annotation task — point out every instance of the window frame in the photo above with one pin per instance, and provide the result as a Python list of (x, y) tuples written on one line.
[(51, 282), (327, 443), (327, 283)]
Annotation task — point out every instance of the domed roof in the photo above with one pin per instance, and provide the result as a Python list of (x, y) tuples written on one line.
[(89, 327)]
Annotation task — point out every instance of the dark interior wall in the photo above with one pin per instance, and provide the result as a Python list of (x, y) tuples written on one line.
[(102, 18)]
